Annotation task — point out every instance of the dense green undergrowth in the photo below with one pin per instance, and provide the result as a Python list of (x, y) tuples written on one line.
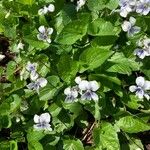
[(74, 75)]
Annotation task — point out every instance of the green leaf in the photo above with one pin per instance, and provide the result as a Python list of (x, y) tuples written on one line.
[(34, 145), (132, 124), (51, 88), (93, 58), (5, 121), (9, 145), (26, 2), (72, 32), (98, 5), (132, 101), (101, 27), (75, 108), (35, 135), (11, 104), (112, 4), (120, 64), (69, 144), (67, 68), (32, 41), (11, 67), (106, 136)]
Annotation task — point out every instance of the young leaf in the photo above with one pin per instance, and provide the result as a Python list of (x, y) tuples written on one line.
[(132, 124), (106, 136)]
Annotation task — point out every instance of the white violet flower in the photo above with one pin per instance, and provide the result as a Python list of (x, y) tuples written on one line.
[(141, 88), (36, 85), (89, 88), (143, 7), (128, 26), (32, 67), (42, 122), (44, 34), (144, 49), (127, 6), (71, 94), (45, 10)]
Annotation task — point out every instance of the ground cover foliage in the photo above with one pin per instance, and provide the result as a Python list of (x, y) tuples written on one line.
[(74, 75)]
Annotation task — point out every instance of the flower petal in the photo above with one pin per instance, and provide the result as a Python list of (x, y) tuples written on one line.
[(45, 117), (48, 40), (42, 29), (146, 96), (75, 93), (78, 80), (31, 85), (94, 96), (140, 81), (51, 8), (67, 91), (84, 85), (34, 76), (86, 96), (132, 88), (36, 118), (132, 20), (42, 82), (50, 31), (146, 85), (126, 26), (94, 86)]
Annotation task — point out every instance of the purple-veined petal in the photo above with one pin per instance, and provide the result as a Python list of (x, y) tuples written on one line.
[(94, 96)]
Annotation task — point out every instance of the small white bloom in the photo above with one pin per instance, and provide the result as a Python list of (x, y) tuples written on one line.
[(144, 49), (143, 7), (127, 6), (20, 46), (78, 80), (80, 3), (45, 10), (141, 88), (44, 34), (2, 57), (71, 94), (141, 53), (39, 83), (51, 8), (42, 122), (31, 67), (128, 26), (89, 88)]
